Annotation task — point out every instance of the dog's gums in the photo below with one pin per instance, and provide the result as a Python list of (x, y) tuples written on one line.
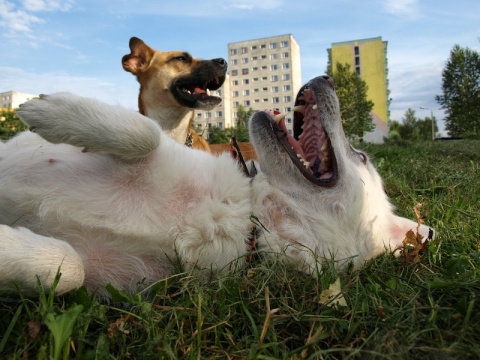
[(309, 148)]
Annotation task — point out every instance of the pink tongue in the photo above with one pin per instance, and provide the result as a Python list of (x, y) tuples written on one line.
[(199, 91)]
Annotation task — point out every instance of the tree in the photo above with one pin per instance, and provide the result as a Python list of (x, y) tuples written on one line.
[(461, 92), (240, 131), (10, 124), (352, 95), (411, 128)]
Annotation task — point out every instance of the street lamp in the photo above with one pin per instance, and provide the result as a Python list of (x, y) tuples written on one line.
[(433, 124)]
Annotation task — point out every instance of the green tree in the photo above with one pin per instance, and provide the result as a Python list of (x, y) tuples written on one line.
[(240, 131), (10, 124), (355, 108), (461, 92), (411, 128)]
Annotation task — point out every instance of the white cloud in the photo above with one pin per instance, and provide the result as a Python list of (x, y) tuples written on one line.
[(47, 5), (253, 4), (14, 20), (407, 8)]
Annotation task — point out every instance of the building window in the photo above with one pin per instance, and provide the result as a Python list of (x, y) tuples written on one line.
[(273, 67), (246, 92), (274, 77), (263, 46), (265, 89), (234, 72), (236, 104), (218, 114), (357, 61), (255, 79), (274, 88), (256, 100), (255, 68), (273, 45), (286, 77), (219, 125), (287, 98), (284, 55), (289, 120), (357, 70), (273, 56), (254, 58), (244, 60), (199, 115), (246, 102), (265, 100), (263, 57), (276, 100), (254, 47), (255, 90), (286, 66), (357, 51), (264, 67), (234, 62), (235, 94), (244, 71), (243, 50), (264, 78), (286, 87), (235, 82), (208, 115), (284, 44), (233, 52), (246, 82)]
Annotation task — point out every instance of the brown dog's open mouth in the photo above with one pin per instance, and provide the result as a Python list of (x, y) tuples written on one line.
[(309, 148), (196, 94)]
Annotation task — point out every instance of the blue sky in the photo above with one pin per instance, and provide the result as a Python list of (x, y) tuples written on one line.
[(76, 46)]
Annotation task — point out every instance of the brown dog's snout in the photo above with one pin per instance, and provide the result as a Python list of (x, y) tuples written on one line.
[(221, 62), (329, 79)]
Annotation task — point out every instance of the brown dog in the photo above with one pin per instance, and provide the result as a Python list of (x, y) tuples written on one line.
[(172, 85)]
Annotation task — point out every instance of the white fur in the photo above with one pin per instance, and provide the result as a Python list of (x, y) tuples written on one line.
[(122, 211)]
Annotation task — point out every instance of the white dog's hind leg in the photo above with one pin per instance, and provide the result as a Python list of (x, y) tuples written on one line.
[(90, 124), (24, 256)]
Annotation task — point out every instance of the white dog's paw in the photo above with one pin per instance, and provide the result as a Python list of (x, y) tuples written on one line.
[(50, 115), (91, 124)]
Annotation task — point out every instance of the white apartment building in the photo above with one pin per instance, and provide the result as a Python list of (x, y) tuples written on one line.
[(263, 74), (13, 99)]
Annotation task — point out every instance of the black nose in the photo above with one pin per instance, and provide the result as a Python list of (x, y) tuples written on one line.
[(220, 62)]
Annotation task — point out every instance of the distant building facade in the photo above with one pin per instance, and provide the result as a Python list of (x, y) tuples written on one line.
[(13, 99), (263, 74), (368, 58)]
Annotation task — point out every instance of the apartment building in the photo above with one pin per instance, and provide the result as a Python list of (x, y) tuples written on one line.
[(264, 74), (368, 57), (13, 99)]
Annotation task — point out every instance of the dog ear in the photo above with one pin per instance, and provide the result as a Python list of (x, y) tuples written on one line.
[(139, 58)]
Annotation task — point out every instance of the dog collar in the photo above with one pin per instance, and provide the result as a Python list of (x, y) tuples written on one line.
[(189, 139)]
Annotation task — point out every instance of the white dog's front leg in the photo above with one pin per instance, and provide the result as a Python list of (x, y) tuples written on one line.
[(26, 256), (93, 125)]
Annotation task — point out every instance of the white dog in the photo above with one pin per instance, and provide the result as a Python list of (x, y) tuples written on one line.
[(134, 200)]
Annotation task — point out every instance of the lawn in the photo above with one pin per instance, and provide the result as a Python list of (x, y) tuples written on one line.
[(395, 309)]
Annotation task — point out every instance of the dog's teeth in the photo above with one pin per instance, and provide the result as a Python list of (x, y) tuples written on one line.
[(300, 136), (300, 109), (315, 107), (208, 92), (279, 117), (324, 147), (306, 164)]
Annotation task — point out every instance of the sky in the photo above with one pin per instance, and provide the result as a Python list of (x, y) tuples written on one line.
[(77, 45)]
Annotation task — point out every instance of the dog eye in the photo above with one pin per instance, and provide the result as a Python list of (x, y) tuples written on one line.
[(181, 58), (361, 155)]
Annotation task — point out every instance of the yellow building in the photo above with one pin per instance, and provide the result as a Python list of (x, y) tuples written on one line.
[(368, 57)]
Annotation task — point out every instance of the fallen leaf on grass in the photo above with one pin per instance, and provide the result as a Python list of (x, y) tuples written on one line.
[(119, 326), (413, 245), (333, 295)]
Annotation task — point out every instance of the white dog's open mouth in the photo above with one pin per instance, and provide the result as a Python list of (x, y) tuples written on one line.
[(310, 147)]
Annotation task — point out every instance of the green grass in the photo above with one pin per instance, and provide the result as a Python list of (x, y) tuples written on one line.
[(395, 310)]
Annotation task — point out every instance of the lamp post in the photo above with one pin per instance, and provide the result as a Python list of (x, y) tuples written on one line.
[(433, 124)]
